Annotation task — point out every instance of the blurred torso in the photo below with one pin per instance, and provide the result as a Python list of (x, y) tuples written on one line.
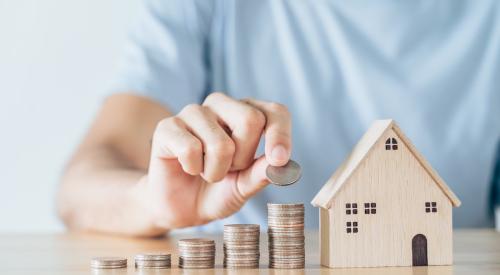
[(433, 66)]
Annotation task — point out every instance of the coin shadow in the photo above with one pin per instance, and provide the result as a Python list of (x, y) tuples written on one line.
[(286, 271), (238, 271), (263, 270), (175, 270), (153, 271)]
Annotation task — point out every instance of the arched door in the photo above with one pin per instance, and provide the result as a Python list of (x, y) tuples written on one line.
[(419, 250)]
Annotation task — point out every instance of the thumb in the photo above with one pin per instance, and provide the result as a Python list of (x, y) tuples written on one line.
[(221, 199), (253, 179)]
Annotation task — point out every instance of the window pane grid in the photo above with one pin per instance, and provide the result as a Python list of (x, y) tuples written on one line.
[(430, 207), (351, 208), (370, 208), (351, 227), (391, 144)]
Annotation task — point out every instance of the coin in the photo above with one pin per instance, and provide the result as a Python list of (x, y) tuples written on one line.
[(160, 256), (196, 253), (198, 242), (242, 227), (286, 237), (284, 175), (157, 260), (108, 262), (152, 264), (241, 246)]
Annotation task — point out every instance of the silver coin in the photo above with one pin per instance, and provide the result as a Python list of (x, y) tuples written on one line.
[(153, 264), (242, 227), (152, 256), (241, 246), (196, 242), (286, 240), (108, 262), (284, 175)]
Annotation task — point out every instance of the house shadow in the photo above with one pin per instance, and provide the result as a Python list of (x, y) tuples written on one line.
[(417, 270)]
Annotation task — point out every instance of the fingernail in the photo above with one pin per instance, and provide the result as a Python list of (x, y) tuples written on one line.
[(279, 153)]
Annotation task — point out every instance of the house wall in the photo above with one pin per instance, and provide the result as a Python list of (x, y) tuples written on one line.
[(324, 236), (399, 185)]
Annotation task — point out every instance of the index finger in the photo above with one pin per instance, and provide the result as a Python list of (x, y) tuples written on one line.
[(278, 136)]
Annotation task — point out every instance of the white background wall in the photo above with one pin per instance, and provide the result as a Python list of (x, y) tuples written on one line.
[(56, 58)]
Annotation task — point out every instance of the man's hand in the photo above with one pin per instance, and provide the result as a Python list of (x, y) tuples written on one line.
[(200, 166), (203, 164)]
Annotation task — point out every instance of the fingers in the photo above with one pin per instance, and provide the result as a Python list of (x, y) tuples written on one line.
[(278, 138), (198, 139), (245, 122), (217, 145), (253, 179), (221, 199), (172, 140)]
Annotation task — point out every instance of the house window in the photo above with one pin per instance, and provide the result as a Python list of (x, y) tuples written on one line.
[(352, 227), (391, 144), (351, 208), (370, 208), (430, 207)]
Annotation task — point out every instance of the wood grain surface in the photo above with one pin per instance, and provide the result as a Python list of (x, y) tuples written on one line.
[(475, 252)]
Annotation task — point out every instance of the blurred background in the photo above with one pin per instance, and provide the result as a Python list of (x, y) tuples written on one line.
[(51, 52), (56, 60)]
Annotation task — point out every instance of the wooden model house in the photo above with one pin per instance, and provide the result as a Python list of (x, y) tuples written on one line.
[(385, 206)]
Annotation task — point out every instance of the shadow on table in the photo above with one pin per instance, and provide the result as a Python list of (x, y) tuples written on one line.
[(432, 270), (417, 270)]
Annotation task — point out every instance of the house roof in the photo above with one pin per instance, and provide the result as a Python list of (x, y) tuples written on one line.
[(325, 196)]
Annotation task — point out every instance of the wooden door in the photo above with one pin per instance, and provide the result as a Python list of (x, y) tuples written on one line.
[(419, 250)]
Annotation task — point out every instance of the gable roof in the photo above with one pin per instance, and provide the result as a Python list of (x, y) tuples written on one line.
[(325, 196)]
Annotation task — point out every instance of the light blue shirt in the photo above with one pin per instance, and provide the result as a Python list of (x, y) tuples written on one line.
[(433, 66)]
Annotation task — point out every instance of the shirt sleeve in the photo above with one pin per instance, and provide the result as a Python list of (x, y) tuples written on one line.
[(165, 55)]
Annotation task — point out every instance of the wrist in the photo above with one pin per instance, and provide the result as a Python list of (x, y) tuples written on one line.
[(144, 210)]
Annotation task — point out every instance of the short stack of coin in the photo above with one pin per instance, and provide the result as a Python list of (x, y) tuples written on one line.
[(153, 260), (241, 245), (196, 253), (286, 235), (108, 262)]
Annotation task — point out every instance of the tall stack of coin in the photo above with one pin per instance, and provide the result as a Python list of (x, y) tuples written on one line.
[(241, 245), (153, 260), (196, 253), (108, 262), (286, 235)]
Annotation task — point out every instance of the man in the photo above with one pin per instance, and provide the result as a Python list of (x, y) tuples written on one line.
[(163, 154)]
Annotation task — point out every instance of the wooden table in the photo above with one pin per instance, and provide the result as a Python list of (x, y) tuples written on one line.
[(475, 252)]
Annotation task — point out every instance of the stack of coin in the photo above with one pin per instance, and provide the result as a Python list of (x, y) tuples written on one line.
[(196, 253), (108, 262), (286, 235), (241, 245), (152, 260)]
